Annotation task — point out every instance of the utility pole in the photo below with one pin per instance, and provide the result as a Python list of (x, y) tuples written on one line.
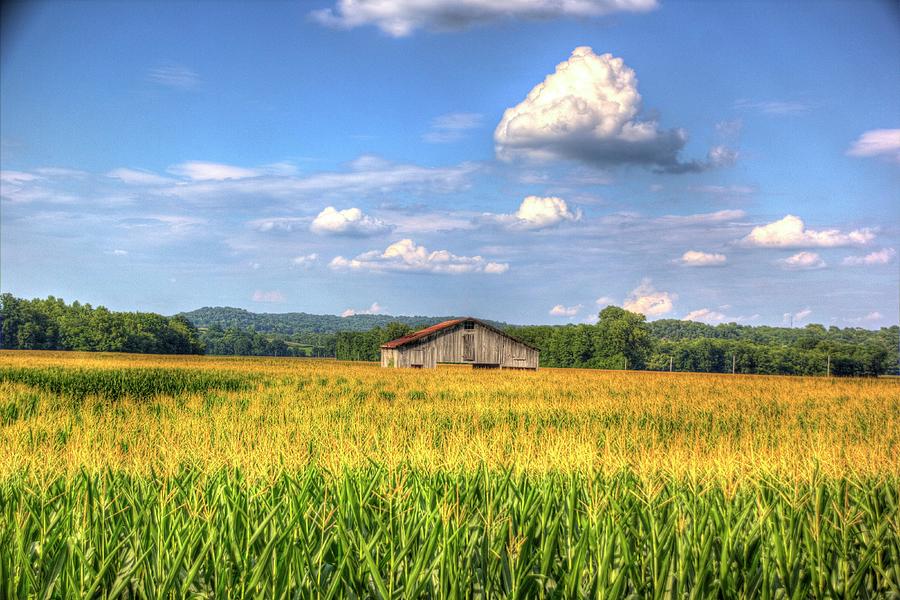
[(733, 363), (670, 364), (626, 363), (828, 368)]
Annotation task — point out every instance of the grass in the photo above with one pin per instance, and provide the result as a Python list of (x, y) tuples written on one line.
[(320, 479)]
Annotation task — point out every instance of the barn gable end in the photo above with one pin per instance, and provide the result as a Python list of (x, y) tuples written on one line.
[(461, 341)]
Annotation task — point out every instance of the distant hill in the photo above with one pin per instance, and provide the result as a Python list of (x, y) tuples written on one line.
[(300, 322)]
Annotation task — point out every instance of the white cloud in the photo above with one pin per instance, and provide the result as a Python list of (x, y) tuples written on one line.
[(17, 177), (565, 311), (210, 171), (718, 216), (138, 177), (723, 190), (792, 318), (536, 212), (118, 252), (279, 224), (587, 110), (405, 255), (790, 232), (695, 258), (372, 310), (877, 142), (400, 18), (451, 127), (802, 261), (645, 299), (306, 260), (366, 175), (174, 76), (868, 318), (879, 257), (781, 108), (350, 221), (604, 301), (704, 315), (272, 296)]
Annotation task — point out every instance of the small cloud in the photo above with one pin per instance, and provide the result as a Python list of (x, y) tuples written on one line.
[(451, 127), (802, 261), (704, 315), (645, 299), (868, 318), (790, 232), (209, 171), (778, 108), (730, 129), (305, 260), (407, 256), (174, 76), (272, 296), (879, 257), (372, 310), (695, 258), (138, 177), (565, 311), (537, 213), (286, 224), (350, 222), (883, 143), (604, 301), (800, 315), (118, 252)]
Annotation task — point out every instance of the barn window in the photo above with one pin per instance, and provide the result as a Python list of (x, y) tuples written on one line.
[(469, 325)]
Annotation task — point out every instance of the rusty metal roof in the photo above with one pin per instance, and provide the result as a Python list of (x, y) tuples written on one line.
[(418, 335), (423, 333)]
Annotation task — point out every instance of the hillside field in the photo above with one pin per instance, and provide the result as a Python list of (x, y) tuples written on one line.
[(164, 476)]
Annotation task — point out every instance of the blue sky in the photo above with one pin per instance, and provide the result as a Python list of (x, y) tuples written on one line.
[(532, 163)]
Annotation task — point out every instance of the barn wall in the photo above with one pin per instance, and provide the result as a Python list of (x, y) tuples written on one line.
[(446, 346)]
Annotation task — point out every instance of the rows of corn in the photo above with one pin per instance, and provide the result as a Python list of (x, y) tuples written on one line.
[(313, 479)]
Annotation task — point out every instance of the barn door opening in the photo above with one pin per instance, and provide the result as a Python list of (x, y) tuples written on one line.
[(469, 347)]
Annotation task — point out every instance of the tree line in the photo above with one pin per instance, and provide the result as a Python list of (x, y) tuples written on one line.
[(51, 324), (620, 339)]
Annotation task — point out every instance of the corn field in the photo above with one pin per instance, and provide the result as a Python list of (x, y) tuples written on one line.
[(239, 478)]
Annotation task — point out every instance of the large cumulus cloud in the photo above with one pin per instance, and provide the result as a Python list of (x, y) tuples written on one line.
[(587, 110)]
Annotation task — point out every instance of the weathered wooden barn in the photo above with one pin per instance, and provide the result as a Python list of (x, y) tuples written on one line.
[(465, 341)]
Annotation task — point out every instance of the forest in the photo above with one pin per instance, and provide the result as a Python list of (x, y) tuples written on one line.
[(619, 340)]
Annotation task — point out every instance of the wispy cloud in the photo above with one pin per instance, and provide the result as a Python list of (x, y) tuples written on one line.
[(451, 127), (174, 76), (271, 296), (883, 143), (779, 108), (399, 18)]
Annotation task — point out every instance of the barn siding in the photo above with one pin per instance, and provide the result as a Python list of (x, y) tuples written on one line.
[(446, 346)]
